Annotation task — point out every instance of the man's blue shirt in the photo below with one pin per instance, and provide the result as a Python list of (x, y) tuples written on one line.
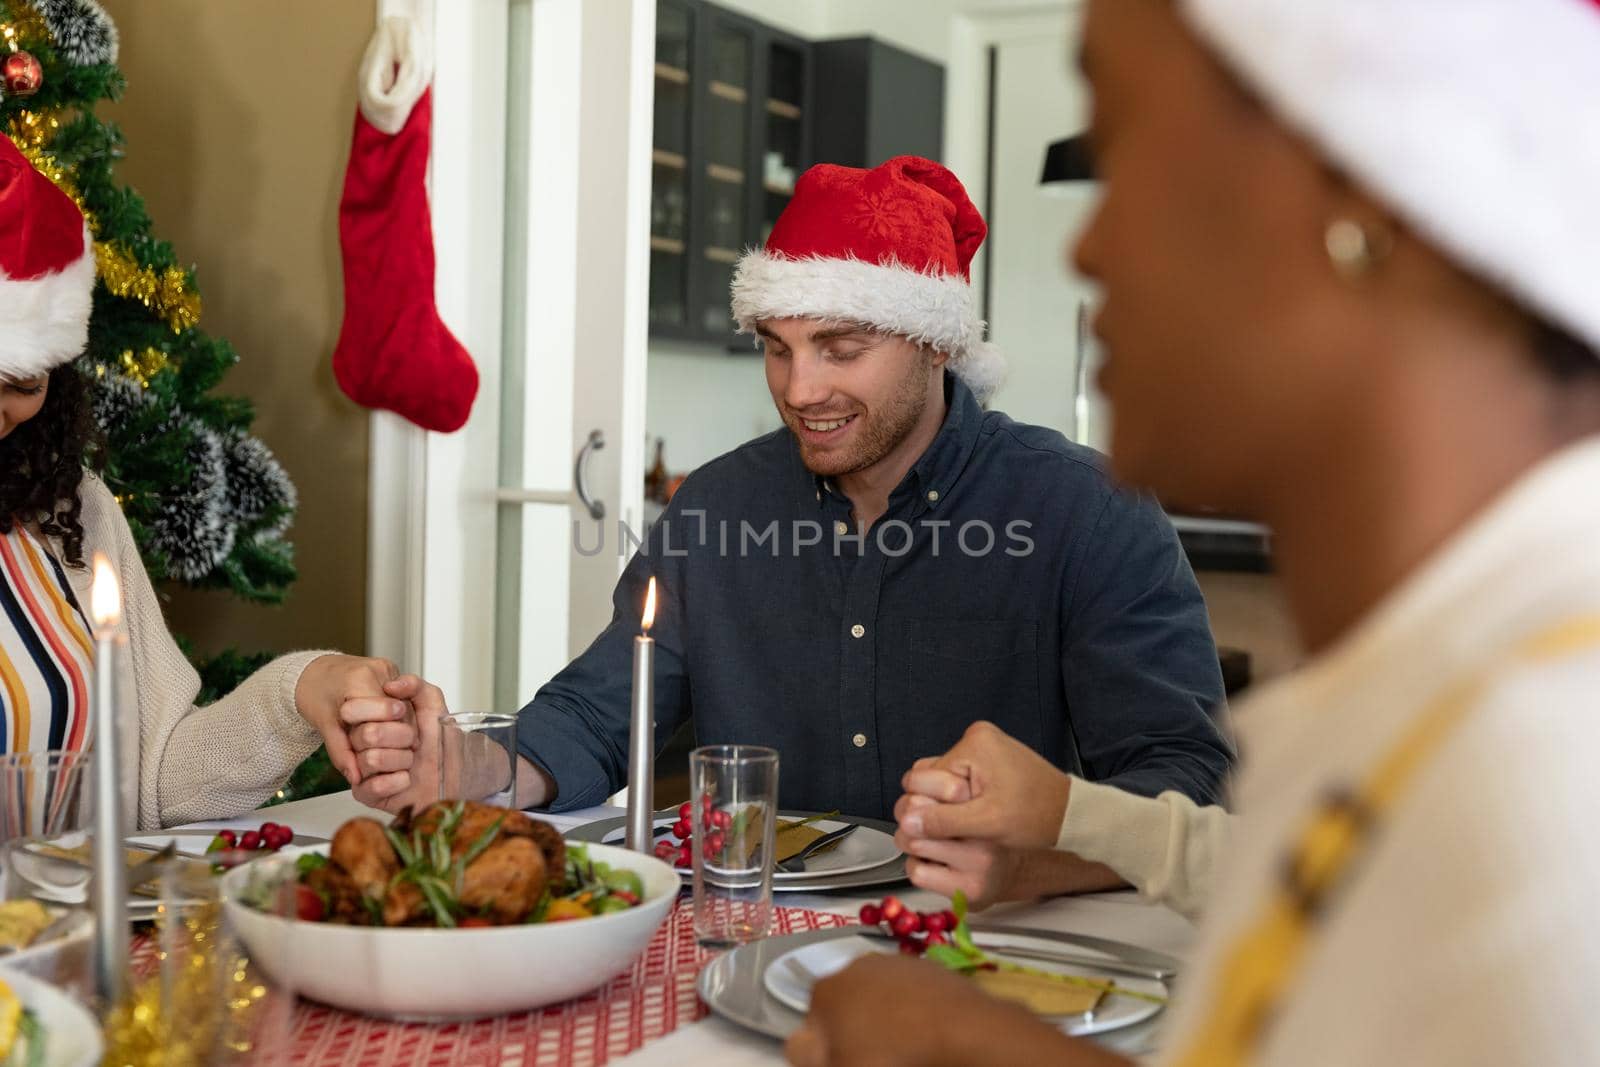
[(1009, 580)]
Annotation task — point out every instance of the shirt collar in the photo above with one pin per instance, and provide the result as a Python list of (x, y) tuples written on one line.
[(934, 473)]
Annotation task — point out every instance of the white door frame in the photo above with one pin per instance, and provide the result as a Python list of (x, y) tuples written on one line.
[(966, 92), (434, 499)]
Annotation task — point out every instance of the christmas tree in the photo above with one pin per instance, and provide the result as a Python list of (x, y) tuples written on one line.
[(207, 502)]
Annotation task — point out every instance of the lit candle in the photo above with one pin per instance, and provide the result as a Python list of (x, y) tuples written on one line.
[(110, 869), (641, 739)]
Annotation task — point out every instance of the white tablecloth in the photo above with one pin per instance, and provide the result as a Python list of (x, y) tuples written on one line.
[(715, 1043)]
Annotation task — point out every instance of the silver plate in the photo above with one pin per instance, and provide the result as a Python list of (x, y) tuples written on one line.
[(891, 873), (733, 985)]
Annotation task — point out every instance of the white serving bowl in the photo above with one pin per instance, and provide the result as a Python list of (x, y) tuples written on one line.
[(429, 974)]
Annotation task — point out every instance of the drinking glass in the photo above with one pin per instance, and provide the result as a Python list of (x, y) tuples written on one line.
[(478, 757), (45, 797), (734, 791)]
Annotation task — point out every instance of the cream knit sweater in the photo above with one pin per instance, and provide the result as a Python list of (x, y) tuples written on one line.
[(182, 763)]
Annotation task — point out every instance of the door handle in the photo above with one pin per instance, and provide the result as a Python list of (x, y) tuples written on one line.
[(1080, 385), (580, 470)]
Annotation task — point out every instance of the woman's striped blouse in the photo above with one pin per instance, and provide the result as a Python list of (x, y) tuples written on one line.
[(46, 653)]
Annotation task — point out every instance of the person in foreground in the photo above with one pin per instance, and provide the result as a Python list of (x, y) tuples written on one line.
[(858, 587), (183, 763), (1401, 373)]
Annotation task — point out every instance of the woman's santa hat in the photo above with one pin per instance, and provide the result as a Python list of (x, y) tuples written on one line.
[(47, 271), (890, 248), (1476, 121)]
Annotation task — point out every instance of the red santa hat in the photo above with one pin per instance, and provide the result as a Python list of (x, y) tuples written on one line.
[(47, 271), (889, 248), (1476, 121)]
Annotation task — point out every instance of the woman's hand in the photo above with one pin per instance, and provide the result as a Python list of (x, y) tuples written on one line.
[(889, 1011), (336, 693)]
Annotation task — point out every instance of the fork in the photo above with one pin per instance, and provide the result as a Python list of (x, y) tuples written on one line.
[(796, 864)]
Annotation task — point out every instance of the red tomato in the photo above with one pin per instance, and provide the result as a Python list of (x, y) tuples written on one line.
[(307, 905), (474, 920)]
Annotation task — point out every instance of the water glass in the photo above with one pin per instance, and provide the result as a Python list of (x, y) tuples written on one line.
[(44, 796), (478, 758), (734, 791)]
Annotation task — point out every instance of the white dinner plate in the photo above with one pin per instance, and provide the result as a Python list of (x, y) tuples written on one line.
[(863, 850), (71, 1036), (790, 977), (190, 843)]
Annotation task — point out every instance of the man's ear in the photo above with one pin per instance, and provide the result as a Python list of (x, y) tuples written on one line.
[(939, 358)]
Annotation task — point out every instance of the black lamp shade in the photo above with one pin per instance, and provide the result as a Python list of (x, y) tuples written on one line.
[(1068, 160)]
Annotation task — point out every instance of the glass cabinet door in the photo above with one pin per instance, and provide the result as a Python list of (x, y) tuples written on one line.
[(669, 187), (785, 153), (727, 101)]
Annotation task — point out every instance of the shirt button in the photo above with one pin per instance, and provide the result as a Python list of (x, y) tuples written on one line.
[(933, 496), (859, 740), (858, 630), (841, 528)]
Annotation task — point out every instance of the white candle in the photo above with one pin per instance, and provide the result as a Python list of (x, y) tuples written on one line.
[(641, 738), (110, 869)]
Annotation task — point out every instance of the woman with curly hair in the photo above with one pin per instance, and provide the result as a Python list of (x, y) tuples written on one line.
[(182, 763)]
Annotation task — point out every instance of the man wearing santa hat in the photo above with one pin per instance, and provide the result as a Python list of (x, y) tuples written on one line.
[(896, 563)]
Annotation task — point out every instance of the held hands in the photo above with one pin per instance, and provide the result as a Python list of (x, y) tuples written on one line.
[(990, 787), (399, 756), (336, 693), (983, 819)]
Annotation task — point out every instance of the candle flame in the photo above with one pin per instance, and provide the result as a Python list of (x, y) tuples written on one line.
[(649, 608), (105, 595)]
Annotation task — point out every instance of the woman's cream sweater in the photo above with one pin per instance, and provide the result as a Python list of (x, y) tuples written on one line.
[(182, 763)]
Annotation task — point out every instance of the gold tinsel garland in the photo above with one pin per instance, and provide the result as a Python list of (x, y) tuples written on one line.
[(24, 25), (167, 293), (207, 1008)]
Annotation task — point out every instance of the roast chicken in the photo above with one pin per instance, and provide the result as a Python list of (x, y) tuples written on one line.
[(366, 882)]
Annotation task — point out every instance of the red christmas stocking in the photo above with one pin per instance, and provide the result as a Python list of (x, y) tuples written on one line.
[(394, 352)]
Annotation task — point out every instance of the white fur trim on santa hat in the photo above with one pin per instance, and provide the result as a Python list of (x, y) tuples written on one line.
[(925, 308), (44, 321), (395, 72), (1473, 120)]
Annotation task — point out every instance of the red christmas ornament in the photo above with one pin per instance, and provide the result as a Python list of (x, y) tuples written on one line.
[(21, 73)]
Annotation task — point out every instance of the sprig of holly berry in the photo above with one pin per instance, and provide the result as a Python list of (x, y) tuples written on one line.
[(229, 849), (916, 931)]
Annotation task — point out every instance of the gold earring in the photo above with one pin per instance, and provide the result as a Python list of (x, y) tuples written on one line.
[(1354, 249)]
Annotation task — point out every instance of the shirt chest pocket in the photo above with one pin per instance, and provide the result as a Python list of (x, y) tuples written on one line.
[(964, 670)]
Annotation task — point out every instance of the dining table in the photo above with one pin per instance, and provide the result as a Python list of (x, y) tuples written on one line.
[(705, 1039)]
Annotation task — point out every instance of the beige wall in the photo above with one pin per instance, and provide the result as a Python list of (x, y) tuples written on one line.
[(238, 119)]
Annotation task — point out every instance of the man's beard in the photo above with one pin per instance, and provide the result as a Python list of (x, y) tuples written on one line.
[(879, 432)]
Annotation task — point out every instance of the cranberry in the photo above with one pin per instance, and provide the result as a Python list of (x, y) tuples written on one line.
[(665, 850), (905, 924), (871, 915), (910, 948), (892, 909), (250, 841), (228, 838), (938, 939), (267, 828), (716, 841), (681, 829), (721, 820), (685, 854), (933, 922), (950, 920)]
